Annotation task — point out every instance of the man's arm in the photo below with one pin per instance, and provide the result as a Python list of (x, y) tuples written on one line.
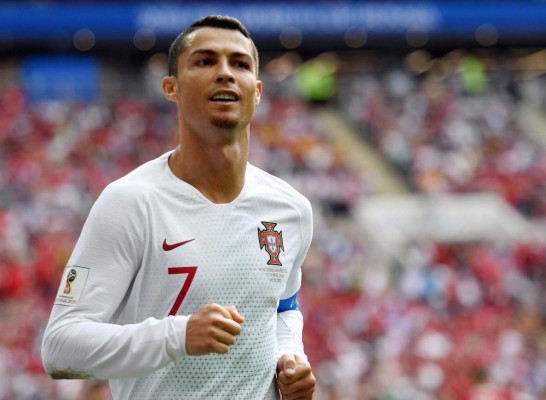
[(79, 341), (295, 378), (87, 349)]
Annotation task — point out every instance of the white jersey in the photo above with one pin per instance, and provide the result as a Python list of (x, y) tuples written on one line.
[(152, 251)]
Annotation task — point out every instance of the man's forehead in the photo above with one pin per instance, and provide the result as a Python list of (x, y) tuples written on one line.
[(212, 38)]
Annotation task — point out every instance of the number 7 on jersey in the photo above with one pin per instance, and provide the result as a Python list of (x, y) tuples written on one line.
[(185, 287)]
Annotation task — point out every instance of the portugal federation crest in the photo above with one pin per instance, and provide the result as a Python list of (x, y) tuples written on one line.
[(272, 241)]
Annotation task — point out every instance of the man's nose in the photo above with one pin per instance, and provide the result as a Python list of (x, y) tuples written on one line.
[(224, 73)]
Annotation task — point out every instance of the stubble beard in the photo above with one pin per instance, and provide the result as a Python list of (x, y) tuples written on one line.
[(231, 120), (224, 123)]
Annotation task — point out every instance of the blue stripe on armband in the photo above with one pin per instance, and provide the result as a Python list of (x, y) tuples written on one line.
[(289, 304)]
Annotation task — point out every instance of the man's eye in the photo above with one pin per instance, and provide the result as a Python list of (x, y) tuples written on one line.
[(242, 64), (204, 62)]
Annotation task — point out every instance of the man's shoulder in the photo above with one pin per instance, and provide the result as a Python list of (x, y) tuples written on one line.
[(276, 186), (139, 182)]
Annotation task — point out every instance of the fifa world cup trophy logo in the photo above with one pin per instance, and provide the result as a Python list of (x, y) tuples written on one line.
[(71, 277)]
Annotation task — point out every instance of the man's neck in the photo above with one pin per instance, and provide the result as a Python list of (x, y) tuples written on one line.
[(215, 170)]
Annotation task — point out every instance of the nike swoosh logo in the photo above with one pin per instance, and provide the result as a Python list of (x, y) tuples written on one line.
[(169, 247)]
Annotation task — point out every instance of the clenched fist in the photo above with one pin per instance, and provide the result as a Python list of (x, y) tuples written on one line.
[(212, 329), (295, 378)]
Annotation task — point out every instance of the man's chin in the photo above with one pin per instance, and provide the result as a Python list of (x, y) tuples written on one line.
[(225, 123)]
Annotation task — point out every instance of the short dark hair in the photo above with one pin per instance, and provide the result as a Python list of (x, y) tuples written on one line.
[(214, 21)]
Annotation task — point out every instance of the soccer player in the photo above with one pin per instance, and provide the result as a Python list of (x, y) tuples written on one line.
[(184, 281)]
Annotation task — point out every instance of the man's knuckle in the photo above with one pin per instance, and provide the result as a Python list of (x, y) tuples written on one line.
[(207, 308), (210, 331)]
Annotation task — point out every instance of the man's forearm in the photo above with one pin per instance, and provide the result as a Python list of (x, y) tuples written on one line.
[(88, 349)]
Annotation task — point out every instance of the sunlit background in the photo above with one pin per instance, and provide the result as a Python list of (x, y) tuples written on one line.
[(416, 129)]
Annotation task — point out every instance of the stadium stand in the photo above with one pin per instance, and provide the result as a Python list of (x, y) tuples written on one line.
[(456, 319)]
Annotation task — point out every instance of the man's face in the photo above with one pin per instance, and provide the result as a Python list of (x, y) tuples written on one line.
[(216, 83)]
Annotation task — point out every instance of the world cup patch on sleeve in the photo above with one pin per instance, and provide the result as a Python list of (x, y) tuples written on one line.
[(72, 285)]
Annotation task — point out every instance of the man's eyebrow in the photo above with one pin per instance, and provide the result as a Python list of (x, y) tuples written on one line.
[(203, 52), (210, 52)]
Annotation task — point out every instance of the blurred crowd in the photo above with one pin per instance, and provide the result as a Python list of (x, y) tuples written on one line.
[(447, 320), (451, 321), (455, 128)]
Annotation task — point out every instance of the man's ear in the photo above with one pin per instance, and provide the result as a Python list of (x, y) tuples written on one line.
[(170, 87), (258, 92)]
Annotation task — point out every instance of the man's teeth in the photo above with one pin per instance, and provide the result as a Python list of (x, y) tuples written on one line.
[(224, 96)]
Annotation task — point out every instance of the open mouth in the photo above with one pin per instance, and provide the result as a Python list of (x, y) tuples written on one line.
[(224, 97)]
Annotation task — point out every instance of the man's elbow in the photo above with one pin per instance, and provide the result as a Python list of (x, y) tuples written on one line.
[(52, 366), (56, 371), (68, 374)]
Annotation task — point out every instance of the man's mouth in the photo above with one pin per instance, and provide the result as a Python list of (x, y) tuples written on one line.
[(224, 97)]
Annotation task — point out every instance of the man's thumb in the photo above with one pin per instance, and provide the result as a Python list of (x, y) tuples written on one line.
[(289, 365)]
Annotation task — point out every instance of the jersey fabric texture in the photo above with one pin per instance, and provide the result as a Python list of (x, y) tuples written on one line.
[(152, 246)]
